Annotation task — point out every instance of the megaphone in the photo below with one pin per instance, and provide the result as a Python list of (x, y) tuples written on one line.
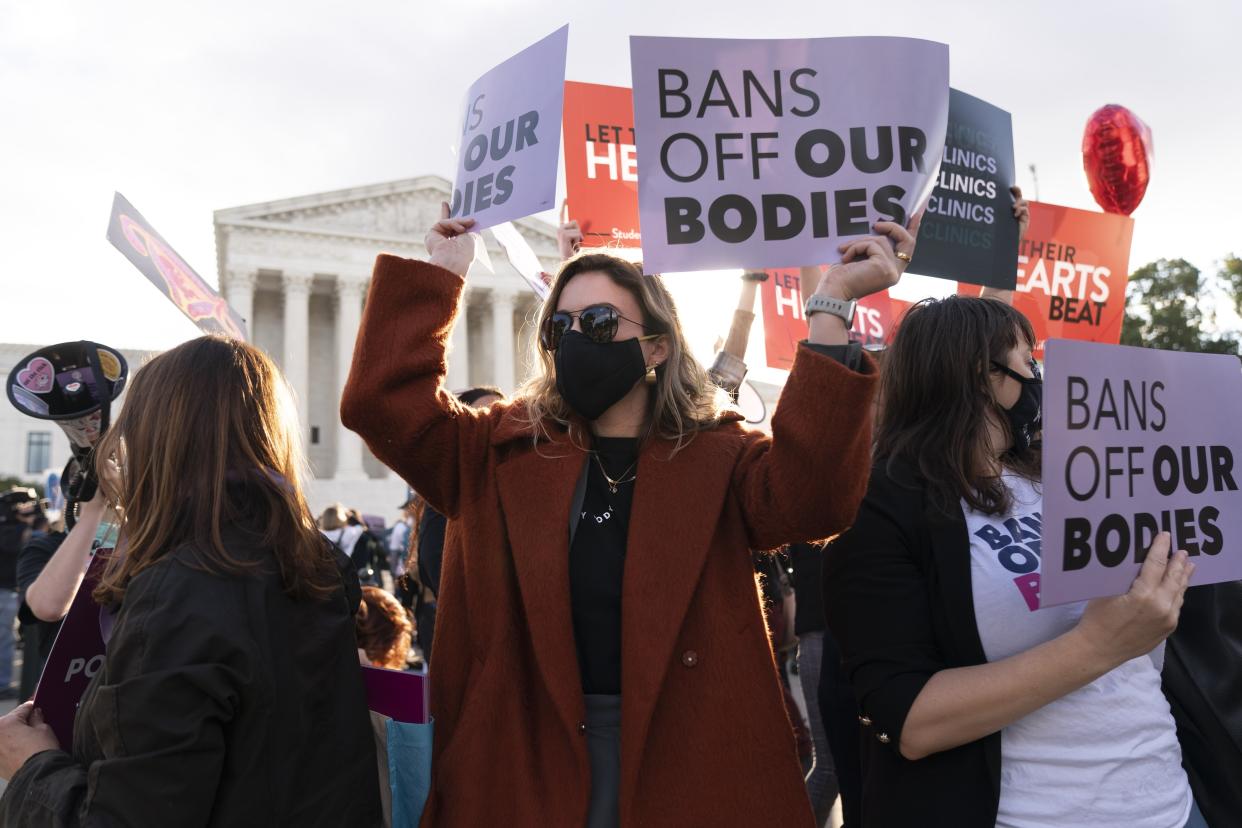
[(73, 384)]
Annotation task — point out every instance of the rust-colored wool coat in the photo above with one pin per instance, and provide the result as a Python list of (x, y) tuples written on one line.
[(705, 740)]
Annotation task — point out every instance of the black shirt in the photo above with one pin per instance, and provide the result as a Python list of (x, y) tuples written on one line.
[(13, 537), (597, 551), (597, 564)]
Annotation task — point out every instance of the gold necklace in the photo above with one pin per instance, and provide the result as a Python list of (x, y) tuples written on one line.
[(621, 481)]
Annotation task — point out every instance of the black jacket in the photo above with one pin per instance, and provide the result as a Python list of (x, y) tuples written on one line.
[(897, 596), (1203, 682), (431, 548), (222, 702), (807, 562)]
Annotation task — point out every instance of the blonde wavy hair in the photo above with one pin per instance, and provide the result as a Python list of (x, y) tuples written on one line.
[(685, 400)]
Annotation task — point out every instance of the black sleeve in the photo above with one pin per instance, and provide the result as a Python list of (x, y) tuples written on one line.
[(807, 562), (849, 355), (431, 548), (167, 694), (366, 552), (878, 610), (379, 552), (34, 556)]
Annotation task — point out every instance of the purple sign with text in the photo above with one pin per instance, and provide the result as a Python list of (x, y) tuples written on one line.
[(77, 654), (1137, 442), (771, 153), (511, 136)]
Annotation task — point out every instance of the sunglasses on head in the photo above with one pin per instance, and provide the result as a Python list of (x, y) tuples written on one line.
[(599, 323)]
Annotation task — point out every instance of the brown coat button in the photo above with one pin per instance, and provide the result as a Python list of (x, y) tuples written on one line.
[(883, 737), (689, 658), (582, 727)]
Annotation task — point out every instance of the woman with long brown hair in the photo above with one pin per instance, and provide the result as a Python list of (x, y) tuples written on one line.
[(601, 654), (230, 694), (978, 707)]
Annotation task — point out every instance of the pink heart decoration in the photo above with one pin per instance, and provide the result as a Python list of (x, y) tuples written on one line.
[(36, 376)]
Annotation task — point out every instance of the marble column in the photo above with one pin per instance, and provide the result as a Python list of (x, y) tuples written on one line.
[(348, 317), (458, 357), (503, 302), (296, 362), (239, 291)]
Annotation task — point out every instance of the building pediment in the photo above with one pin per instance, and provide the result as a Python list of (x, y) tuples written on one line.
[(396, 210)]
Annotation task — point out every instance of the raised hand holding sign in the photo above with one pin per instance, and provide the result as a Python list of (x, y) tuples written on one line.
[(568, 233), (871, 264), (1133, 624), (450, 244)]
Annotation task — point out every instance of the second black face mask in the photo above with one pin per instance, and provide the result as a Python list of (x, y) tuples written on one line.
[(591, 377), (1026, 415)]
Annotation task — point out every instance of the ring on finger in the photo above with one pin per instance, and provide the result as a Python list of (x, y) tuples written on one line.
[(905, 257)]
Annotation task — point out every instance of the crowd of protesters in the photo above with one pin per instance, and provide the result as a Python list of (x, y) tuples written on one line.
[(585, 554)]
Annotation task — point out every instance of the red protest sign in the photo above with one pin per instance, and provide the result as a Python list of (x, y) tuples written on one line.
[(601, 172), (1073, 266), (784, 326)]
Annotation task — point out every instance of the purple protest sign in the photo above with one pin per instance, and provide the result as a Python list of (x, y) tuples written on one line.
[(771, 153), (401, 696), (1136, 442), (511, 136), (77, 654)]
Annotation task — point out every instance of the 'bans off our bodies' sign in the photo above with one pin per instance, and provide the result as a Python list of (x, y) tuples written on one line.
[(771, 153), (510, 136), (1136, 442)]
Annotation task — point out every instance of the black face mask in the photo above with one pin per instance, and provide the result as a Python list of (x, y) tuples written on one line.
[(1026, 415), (591, 377)]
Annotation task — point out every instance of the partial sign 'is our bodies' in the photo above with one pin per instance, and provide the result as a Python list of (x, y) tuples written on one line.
[(507, 161), (495, 187)]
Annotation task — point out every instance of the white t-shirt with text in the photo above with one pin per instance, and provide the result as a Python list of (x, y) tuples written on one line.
[(1106, 754)]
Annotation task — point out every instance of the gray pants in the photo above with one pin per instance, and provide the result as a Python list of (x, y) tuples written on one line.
[(821, 781), (1196, 819), (603, 733)]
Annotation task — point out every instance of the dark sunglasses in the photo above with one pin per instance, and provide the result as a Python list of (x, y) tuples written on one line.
[(1036, 373), (599, 324)]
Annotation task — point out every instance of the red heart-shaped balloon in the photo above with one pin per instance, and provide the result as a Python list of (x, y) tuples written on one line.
[(1116, 155)]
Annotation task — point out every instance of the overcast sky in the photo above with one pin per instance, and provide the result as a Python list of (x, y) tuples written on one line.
[(188, 108)]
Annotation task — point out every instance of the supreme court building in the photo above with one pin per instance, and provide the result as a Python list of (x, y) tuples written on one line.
[(297, 270)]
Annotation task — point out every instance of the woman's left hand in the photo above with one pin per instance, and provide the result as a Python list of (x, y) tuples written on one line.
[(872, 263), (1021, 211), (23, 733)]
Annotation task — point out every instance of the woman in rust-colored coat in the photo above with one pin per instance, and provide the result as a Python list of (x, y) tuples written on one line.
[(568, 567)]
